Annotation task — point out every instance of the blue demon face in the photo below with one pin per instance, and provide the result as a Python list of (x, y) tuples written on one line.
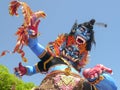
[(78, 37), (83, 32), (82, 35)]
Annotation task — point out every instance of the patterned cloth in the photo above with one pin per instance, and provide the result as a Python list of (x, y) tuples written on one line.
[(58, 80)]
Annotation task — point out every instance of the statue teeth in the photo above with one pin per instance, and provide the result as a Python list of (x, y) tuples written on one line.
[(63, 52), (72, 58), (66, 54), (76, 60)]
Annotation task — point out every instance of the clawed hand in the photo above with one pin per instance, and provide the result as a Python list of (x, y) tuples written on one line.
[(33, 28), (20, 70), (96, 71)]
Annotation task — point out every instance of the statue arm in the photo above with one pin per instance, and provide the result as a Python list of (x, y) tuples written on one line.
[(36, 47), (107, 83), (98, 77)]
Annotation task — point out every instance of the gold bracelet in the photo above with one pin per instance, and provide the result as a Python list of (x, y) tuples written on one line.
[(97, 80)]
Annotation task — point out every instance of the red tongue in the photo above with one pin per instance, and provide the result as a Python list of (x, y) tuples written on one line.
[(79, 40)]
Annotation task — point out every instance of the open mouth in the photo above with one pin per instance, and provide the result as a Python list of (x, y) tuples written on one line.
[(80, 40)]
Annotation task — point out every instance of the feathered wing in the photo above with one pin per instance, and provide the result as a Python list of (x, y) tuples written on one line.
[(22, 32), (13, 7), (27, 12)]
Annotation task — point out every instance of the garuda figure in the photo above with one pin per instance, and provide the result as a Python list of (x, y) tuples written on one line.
[(62, 59)]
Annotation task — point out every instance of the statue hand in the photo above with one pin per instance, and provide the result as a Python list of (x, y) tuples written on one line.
[(33, 28), (96, 71), (20, 70)]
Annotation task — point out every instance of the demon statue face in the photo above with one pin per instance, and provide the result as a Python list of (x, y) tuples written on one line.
[(74, 46), (83, 33), (78, 42)]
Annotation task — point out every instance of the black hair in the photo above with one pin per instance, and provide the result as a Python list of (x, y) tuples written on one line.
[(91, 41)]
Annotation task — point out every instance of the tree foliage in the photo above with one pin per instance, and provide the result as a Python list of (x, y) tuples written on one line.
[(11, 82)]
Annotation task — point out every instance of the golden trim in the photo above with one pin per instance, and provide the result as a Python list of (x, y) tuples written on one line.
[(65, 61), (47, 62), (43, 54), (36, 66), (94, 87), (67, 70), (97, 80), (52, 74)]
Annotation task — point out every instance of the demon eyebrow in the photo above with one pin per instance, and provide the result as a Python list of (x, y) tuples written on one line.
[(83, 27)]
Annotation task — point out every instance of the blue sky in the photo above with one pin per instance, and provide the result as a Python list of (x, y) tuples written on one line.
[(61, 14)]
